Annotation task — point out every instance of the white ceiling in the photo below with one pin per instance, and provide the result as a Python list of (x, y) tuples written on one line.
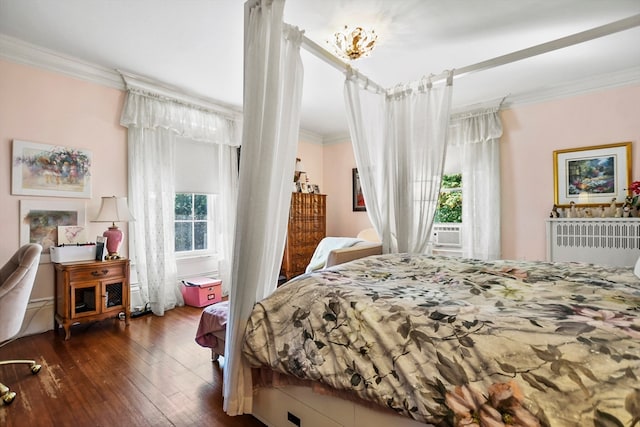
[(196, 45)]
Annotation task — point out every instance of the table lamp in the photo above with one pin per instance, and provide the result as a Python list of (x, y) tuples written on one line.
[(113, 209)]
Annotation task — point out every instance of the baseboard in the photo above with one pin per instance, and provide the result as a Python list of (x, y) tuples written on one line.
[(38, 318)]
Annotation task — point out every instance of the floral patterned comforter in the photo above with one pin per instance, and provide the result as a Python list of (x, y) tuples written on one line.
[(452, 342)]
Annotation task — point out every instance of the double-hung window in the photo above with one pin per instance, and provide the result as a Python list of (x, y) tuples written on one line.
[(195, 223)]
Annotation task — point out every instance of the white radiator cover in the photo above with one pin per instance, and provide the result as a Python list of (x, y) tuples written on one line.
[(603, 241)]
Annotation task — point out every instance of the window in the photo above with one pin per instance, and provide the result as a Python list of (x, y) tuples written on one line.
[(194, 223), (450, 200)]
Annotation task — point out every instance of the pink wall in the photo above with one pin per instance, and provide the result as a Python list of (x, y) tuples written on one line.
[(532, 133), (341, 220), (311, 155), (49, 108)]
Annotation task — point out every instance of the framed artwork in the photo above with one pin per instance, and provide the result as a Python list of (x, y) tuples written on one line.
[(49, 170), (39, 222), (592, 175), (316, 188), (358, 196), (71, 235)]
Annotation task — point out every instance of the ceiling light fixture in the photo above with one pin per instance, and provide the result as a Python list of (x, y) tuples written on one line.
[(354, 44)]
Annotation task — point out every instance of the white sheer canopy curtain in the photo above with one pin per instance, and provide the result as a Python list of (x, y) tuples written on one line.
[(399, 140), (272, 99), (153, 123), (478, 134)]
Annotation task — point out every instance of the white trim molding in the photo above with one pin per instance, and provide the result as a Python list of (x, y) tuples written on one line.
[(21, 52)]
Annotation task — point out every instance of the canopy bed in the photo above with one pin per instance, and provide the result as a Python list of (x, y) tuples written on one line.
[(458, 325)]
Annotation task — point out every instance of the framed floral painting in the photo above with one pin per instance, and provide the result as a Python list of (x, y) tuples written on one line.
[(49, 170)]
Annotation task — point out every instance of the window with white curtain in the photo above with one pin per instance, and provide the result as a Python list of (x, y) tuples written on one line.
[(197, 218), (446, 234)]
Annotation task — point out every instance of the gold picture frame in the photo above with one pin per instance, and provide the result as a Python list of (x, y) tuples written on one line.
[(591, 176)]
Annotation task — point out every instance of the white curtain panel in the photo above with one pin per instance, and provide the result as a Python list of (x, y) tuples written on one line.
[(272, 99), (151, 200), (154, 122), (478, 134), (399, 140)]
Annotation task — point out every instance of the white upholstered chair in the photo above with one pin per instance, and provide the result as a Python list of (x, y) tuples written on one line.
[(369, 234), (16, 282)]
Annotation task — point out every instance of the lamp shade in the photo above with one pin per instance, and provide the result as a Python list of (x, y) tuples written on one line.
[(114, 209)]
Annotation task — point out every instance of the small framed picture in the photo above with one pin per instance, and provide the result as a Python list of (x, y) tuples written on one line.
[(358, 204), (304, 188), (316, 188)]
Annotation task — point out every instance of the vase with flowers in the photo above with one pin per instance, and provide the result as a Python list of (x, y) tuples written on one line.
[(634, 198)]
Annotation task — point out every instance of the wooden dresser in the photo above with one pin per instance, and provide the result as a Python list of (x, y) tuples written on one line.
[(307, 226)]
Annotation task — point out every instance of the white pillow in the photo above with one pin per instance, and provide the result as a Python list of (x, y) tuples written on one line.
[(636, 271)]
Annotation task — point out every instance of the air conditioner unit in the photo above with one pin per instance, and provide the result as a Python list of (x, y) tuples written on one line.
[(447, 235)]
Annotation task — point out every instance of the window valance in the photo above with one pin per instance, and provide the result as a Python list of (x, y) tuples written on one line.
[(148, 110), (475, 126)]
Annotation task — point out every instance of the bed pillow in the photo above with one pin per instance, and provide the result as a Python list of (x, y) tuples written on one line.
[(637, 269)]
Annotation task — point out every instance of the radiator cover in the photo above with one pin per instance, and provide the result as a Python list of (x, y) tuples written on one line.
[(603, 241)]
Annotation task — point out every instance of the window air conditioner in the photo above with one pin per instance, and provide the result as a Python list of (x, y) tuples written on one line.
[(447, 235)]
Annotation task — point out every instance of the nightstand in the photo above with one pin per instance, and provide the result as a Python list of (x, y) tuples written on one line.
[(91, 291)]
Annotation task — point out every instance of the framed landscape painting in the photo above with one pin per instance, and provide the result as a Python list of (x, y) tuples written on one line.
[(592, 175), (39, 222), (49, 170)]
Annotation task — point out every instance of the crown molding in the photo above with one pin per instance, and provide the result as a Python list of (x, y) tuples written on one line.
[(21, 52), (309, 136), (336, 138), (627, 77)]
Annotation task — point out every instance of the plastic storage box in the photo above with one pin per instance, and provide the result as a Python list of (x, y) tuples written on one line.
[(201, 291), (72, 253)]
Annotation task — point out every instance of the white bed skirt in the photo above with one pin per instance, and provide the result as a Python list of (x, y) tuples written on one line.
[(299, 406)]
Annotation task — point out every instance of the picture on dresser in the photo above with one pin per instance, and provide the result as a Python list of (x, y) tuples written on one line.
[(49, 170), (593, 175)]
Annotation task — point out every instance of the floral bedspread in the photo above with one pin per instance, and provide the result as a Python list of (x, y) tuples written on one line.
[(455, 342)]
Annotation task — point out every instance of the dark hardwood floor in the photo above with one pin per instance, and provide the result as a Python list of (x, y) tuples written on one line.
[(151, 373)]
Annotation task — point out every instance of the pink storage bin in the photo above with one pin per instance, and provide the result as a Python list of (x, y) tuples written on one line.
[(201, 291)]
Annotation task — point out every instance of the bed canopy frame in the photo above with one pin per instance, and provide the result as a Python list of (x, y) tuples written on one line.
[(577, 38)]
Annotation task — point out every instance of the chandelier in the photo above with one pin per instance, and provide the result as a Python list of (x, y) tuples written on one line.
[(354, 44)]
